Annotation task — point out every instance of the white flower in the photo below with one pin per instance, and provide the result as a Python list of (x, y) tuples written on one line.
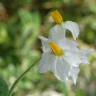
[(61, 59), (53, 59), (70, 45), (63, 26), (61, 55)]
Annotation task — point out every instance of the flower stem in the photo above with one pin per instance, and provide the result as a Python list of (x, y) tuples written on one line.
[(20, 77)]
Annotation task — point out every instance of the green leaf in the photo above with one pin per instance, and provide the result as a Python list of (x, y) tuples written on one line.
[(62, 86), (80, 92), (3, 88), (30, 24)]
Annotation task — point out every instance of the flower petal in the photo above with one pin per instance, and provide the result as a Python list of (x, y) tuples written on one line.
[(67, 44), (84, 55), (72, 58), (62, 69), (74, 73), (56, 33), (81, 56), (45, 45), (72, 27), (46, 63)]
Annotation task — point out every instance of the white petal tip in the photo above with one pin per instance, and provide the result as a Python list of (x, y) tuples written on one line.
[(72, 27)]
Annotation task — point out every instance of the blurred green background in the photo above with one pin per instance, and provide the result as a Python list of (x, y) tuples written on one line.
[(21, 22)]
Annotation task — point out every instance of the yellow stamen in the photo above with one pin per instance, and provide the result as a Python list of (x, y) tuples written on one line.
[(57, 17), (55, 49)]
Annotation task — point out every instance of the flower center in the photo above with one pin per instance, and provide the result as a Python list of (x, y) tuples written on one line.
[(56, 50), (57, 17)]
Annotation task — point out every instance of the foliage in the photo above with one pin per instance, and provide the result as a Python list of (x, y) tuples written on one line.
[(3, 88)]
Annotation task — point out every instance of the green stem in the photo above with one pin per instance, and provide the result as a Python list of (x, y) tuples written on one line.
[(20, 77)]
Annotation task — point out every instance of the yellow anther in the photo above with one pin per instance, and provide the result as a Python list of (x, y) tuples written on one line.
[(56, 50), (57, 17)]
